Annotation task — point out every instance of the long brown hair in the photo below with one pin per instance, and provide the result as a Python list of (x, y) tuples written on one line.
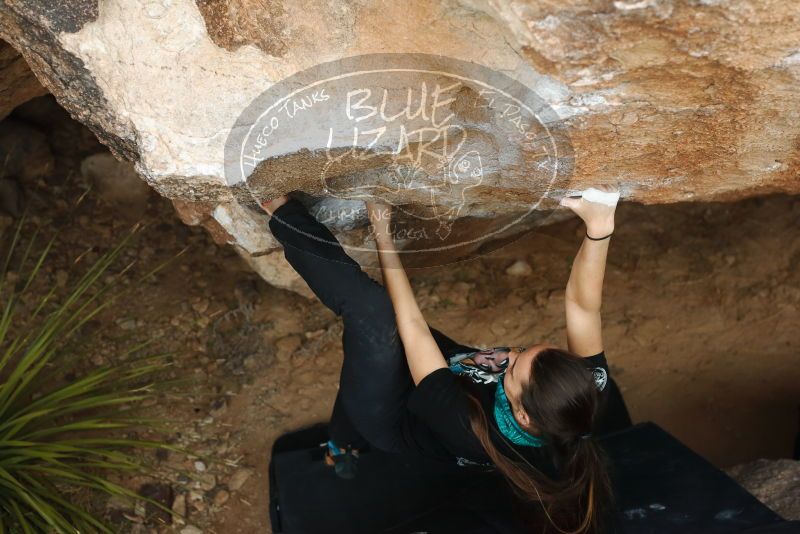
[(563, 403)]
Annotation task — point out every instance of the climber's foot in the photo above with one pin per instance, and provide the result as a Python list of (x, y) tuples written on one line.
[(343, 461), (271, 205)]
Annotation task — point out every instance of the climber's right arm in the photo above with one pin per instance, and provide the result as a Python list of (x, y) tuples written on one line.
[(584, 291)]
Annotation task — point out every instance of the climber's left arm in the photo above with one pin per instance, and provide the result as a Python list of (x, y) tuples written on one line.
[(421, 350)]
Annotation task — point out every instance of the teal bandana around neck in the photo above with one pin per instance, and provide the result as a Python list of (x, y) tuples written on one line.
[(506, 422)]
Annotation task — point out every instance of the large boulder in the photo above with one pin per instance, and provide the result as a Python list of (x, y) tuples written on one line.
[(670, 101)]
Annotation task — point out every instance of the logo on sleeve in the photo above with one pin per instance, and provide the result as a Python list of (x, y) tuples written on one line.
[(600, 378), (465, 364)]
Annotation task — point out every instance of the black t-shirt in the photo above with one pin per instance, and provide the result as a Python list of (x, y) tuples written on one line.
[(439, 410)]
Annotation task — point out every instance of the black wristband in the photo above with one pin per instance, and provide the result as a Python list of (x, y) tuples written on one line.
[(599, 238)]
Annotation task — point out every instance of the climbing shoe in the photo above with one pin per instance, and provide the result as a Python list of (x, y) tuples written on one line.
[(344, 461)]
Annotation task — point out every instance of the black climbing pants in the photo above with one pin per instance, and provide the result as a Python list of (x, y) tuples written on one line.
[(375, 380)]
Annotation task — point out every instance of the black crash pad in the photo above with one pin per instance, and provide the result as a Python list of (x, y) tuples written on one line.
[(663, 487)]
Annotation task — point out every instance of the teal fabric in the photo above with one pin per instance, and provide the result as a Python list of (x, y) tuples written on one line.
[(506, 422)]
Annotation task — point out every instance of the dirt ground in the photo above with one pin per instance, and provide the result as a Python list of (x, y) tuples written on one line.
[(701, 315)]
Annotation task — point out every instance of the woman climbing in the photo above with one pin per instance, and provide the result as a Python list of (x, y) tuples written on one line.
[(532, 413)]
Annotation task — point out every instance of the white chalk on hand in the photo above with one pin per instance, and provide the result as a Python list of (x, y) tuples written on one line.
[(600, 197)]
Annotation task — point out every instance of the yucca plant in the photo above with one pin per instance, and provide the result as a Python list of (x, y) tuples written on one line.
[(61, 437)]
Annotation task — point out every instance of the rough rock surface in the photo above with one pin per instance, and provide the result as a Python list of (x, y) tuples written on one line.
[(672, 101), (776, 483), (17, 82)]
